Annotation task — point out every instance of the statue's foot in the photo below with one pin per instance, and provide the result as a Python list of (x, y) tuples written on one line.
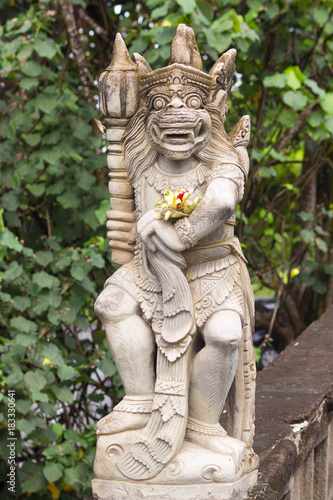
[(214, 438), (130, 414)]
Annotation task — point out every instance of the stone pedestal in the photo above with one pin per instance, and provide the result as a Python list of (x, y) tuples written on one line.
[(194, 474), (123, 490)]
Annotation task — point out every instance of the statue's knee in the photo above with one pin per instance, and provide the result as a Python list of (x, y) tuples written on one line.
[(114, 304), (224, 330)]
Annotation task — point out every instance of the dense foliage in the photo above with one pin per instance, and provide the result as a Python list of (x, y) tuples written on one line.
[(53, 250)]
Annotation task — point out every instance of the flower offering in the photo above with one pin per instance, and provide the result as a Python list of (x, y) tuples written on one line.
[(176, 205)]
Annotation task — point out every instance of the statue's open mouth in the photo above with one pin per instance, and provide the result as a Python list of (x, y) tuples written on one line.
[(185, 134)]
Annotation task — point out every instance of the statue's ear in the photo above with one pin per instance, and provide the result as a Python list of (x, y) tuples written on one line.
[(144, 67), (223, 73)]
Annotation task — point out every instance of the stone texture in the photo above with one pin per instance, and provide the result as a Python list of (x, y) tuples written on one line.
[(117, 490), (179, 314), (294, 414)]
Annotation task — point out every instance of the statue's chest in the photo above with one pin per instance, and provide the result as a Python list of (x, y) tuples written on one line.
[(153, 183)]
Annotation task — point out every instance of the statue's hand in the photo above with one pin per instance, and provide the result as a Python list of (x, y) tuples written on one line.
[(148, 226)]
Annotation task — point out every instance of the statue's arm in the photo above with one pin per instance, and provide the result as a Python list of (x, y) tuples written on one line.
[(217, 206)]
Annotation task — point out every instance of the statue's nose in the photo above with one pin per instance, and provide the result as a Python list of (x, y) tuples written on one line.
[(176, 103)]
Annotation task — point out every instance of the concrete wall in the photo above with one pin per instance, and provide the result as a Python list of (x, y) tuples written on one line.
[(294, 419)]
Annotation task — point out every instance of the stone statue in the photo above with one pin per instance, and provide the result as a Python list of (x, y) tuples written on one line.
[(178, 314)]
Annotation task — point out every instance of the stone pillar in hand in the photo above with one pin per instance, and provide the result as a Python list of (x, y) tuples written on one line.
[(119, 99)]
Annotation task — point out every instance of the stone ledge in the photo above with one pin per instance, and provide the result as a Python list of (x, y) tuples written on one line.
[(125, 490), (293, 403)]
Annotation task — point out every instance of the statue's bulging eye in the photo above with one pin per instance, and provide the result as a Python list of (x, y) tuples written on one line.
[(159, 103), (194, 101)]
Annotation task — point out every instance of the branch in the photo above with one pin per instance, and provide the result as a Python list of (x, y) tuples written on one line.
[(292, 131), (85, 76), (95, 26), (260, 116)]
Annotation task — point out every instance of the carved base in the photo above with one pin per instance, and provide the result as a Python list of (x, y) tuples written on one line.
[(194, 474), (122, 490)]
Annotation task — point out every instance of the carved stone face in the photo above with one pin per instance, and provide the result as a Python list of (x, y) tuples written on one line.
[(178, 125)]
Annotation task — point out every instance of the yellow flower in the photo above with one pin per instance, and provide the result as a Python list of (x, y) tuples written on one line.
[(294, 272), (176, 205), (47, 361), (54, 491)]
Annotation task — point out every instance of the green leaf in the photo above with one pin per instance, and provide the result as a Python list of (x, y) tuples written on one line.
[(27, 83), (53, 451), (316, 118), (22, 324), (26, 426), (97, 259), (32, 478), (10, 201), (295, 77), (5, 297), (73, 478), (267, 172), (313, 85), (307, 236), (89, 285), (319, 287), (53, 353), (296, 100), (8, 240), (328, 269), (80, 269), (51, 155), (15, 376), (53, 471), (277, 156), (206, 9), (63, 394), (45, 280), (13, 271), (44, 258), (321, 14), (272, 10), (23, 406), (108, 367), (32, 139), (25, 340), (57, 429), (307, 216), (86, 180), (69, 200), (221, 25), (219, 42), (35, 380), (329, 123), (46, 102), (188, 6), (277, 80), (160, 11), (257, 354), (67, 373), (36, 189), (288, 118), (31, 68), (320, 230), (101, 212), (45, 48), (327, 103), (321, 244)]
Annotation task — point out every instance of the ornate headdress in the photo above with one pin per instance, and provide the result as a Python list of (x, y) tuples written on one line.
[(185, 52)]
